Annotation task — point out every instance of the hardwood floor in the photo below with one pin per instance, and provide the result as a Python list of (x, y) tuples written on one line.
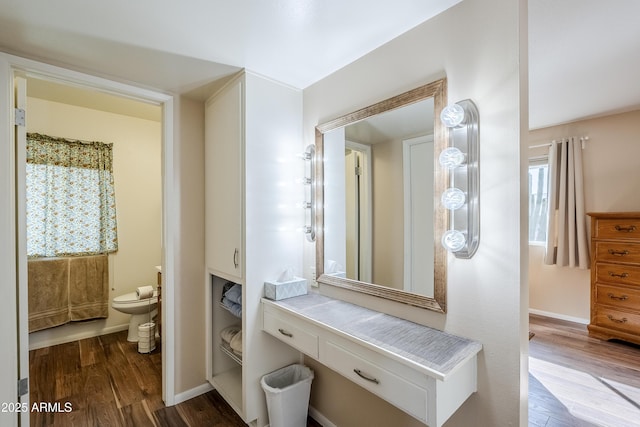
[(104, 381), (574, 381), (578, 381)]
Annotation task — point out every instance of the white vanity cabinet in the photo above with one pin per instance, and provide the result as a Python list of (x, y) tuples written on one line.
[(253, 129), (425, 372)]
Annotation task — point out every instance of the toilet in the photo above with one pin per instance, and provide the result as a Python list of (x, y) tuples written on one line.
[(138, 309)]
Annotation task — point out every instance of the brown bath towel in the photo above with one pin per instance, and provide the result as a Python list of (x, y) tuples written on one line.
[(89, 287), (48, 293)]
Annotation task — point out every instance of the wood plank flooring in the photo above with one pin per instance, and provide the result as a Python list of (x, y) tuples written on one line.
[(104, 381), (578, 381), (574, 381)]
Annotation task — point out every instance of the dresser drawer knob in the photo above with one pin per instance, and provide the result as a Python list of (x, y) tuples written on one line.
[(629, 229), (620, 275), (620, 298), (366, 377), (618, 253), (285, 333), (613, 319)]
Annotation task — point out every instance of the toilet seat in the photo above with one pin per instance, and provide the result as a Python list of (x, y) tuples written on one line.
[(131, 299)]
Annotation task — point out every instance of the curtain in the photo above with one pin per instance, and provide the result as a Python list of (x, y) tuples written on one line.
[(567, 228), (70, 197)]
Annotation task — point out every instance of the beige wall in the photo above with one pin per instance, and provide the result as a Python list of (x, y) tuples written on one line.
[(188, 155), (388, 219), (477, 46), (136, 168), (611, 175)]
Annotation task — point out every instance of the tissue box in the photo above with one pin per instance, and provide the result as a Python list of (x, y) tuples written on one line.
[(281, 290)]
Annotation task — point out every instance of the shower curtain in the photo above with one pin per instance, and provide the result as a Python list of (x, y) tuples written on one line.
[(567, 243)]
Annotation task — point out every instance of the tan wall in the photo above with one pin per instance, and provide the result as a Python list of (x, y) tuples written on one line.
[(388, 219), (137, 176), (611, 175), (488, 293), (189, 250)]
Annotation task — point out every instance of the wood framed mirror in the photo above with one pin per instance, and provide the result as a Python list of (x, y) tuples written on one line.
[(377, 189)]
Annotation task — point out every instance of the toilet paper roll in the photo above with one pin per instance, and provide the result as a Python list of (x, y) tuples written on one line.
[(144, 292)]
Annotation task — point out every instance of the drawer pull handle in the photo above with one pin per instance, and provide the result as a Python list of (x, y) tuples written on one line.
[(628, 229), (620, 298), (613, 319), (285, 333), (618, 253), (620, 275), (368, 378)]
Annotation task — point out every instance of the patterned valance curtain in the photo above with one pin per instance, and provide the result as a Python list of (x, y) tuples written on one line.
[(71, 206)]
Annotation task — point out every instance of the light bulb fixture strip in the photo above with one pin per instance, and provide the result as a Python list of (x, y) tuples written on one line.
[(310, 230), (461, 159)]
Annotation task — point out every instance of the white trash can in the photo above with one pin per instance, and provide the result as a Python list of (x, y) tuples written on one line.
[(287, 391)]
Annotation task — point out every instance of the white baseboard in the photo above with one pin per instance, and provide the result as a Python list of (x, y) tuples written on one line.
[(77, 336), (559, 316), (321, 419), (194, 392)]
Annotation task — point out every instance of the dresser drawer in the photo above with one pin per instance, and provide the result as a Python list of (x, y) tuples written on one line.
[(283, 327), (618, 297), (622, 251), (617, 273), (617, 229), (377, 380), (616, 319)]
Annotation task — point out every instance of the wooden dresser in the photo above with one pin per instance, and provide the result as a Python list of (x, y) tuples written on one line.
[(615, 276)]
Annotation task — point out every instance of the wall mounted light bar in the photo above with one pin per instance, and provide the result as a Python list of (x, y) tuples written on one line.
[(461, 158), (310, 156)]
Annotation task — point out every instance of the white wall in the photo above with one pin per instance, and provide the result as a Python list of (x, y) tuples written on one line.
[(611, 175), (137, 180), (477, 46)]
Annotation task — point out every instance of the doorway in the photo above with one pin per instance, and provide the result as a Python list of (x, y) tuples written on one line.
[(358, 205), (21, 69)]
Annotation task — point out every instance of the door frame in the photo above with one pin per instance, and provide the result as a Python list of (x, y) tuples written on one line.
[(13, 305), (365, 222)]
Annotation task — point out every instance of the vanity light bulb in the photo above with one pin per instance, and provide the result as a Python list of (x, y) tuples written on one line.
[(453, 198), (452, 115), (451, 158), (454, 240)]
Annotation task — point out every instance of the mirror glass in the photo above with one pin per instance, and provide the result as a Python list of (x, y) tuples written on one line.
[(381, 216)]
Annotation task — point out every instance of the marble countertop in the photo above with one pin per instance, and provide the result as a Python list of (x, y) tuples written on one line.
[(421, 346)]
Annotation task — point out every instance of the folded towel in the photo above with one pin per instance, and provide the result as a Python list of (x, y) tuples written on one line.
[(229, 332), (234, 294), (234, 308), (236, 344)]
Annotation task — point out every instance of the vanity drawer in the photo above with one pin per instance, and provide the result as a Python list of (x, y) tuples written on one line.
[(283, 327), (617, 273), (622, 251), (617, 319), (618, 297), (623, 228), (388, 386)]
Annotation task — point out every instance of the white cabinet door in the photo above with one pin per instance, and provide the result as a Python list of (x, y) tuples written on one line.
[(223, 181)]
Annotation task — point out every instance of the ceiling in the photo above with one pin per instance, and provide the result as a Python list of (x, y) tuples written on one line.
[(584, 55), (584, 59)]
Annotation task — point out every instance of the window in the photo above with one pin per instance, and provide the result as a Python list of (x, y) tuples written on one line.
[(538, 200), (70, 197)]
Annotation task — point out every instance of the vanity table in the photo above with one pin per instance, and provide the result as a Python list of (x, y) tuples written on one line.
[(423, 371)]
